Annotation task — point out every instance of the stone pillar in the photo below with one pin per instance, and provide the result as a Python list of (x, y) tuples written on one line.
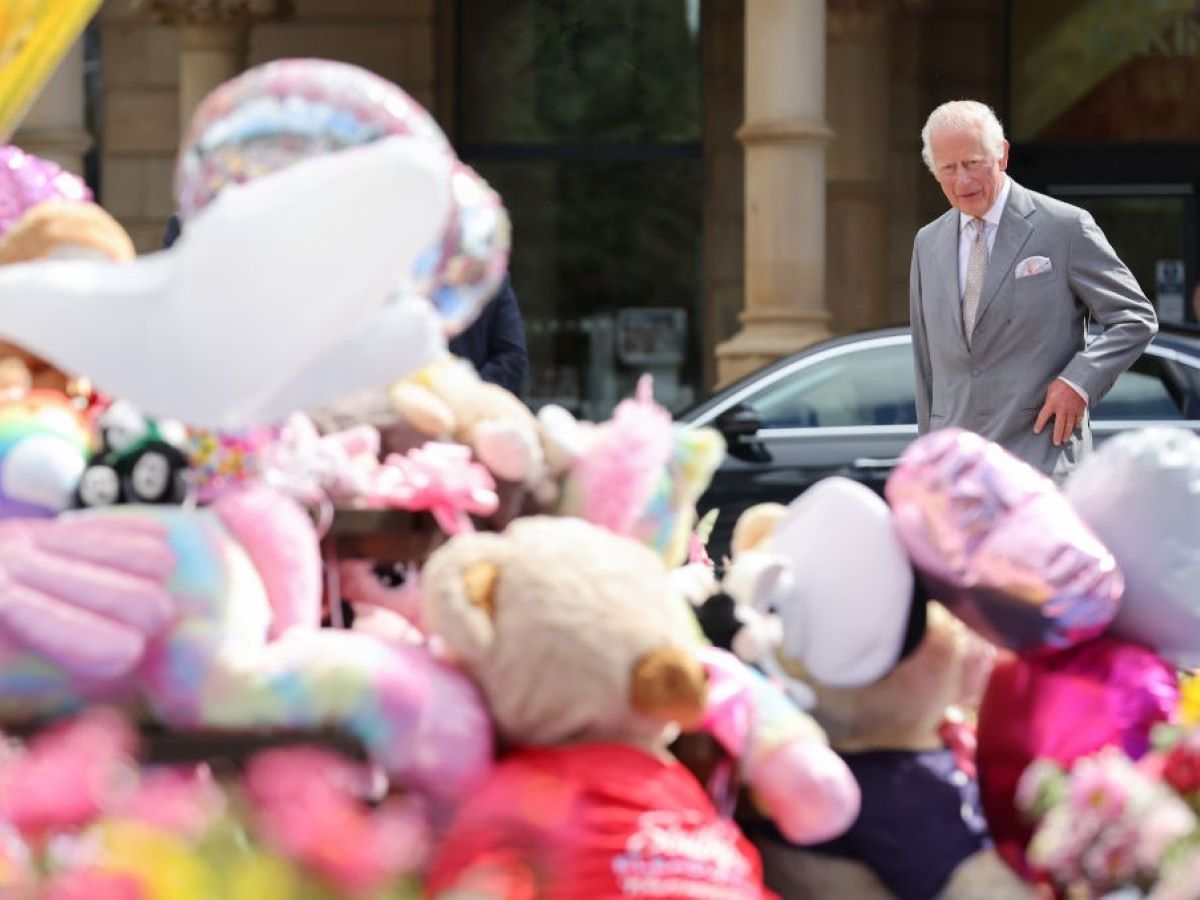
[(213, 37), (859, 104), (785, 136), (54, 126)]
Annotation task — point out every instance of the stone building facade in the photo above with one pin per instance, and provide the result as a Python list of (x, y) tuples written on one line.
[(805, 149)]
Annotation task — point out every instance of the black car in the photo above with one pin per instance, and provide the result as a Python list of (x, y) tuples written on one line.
[(845, 407)]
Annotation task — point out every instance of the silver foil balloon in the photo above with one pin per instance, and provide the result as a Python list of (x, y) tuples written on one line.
[(280, 113), (999, 544), (1140, 492)]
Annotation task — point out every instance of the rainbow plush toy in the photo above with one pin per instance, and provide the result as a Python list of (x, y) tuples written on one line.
[(638, 474), (208, 618), (44, 446)]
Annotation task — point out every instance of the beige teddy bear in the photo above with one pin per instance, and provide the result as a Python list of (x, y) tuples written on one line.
[(447, 401), (586, 655)]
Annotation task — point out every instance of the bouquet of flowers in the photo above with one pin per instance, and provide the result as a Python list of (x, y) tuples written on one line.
[(1111, 824), (80, 818)]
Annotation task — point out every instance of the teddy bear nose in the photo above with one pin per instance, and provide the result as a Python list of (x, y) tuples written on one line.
[(668, 684)]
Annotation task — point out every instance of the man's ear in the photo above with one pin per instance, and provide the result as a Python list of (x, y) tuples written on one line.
[(1003, 161)]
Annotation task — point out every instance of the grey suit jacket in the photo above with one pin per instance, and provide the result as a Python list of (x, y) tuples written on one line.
[(1028, 330)]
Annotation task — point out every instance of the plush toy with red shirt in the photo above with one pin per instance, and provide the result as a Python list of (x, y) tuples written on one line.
[(587, 656)]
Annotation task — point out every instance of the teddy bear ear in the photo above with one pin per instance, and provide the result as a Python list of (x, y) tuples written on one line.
[(670, 685), (754, 526), (479, 584)]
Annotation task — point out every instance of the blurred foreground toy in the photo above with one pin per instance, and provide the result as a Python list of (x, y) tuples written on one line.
[(637, 474), (893, 671), (587, 659), (208, 618), (44, 447), (1012, 556)]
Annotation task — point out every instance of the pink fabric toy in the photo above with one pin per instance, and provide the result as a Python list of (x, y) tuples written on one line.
[(797, 780), (170, 608)]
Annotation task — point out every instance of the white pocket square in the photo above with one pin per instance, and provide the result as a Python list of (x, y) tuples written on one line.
[(1033, 265)]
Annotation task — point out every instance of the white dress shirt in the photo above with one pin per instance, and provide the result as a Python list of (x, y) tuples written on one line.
[(966, 237)]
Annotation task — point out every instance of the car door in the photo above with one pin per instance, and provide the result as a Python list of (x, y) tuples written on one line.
[(847, 410), (1161, 388)]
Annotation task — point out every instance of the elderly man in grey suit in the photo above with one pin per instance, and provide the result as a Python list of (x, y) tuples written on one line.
[(1002, 290)]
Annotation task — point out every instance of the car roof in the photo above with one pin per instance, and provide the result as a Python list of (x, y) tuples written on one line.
[(1184, 337)]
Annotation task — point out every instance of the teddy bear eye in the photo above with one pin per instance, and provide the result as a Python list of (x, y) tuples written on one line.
[(391, 575)]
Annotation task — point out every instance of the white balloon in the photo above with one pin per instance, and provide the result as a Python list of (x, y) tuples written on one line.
[(239, 322), (1140, 494)]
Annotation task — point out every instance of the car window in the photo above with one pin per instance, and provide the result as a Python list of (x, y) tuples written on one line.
[(872, 385), (1146, 392)]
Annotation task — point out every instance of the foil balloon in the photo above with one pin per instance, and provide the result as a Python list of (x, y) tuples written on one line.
[(462, 273), (257, 308), (1140, 492), (835, 573), (26, 180), (1061, 706), (35, 35), (277, 114), (999, 544)]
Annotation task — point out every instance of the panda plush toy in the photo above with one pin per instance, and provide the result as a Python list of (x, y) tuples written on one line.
[(140, 460)]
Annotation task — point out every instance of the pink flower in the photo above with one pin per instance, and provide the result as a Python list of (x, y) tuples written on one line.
[(309, 805), (69, 775), (1112, 861), (1101, 784), (1165, 821), (93, 884)]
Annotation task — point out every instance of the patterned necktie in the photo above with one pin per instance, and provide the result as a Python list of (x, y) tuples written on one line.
[(976, 270)]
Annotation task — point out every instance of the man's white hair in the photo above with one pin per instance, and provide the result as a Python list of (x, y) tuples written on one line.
[(957, 115)]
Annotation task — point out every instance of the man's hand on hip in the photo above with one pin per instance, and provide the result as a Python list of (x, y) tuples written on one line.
[(1065, 405)]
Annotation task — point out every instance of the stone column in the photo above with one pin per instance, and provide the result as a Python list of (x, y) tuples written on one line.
[(212, 41), (785, 136), (859, 103), (54, 126)]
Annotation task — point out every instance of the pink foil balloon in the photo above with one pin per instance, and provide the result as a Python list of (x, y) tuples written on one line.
[(27, 180), (999, 544), (1062, 706)]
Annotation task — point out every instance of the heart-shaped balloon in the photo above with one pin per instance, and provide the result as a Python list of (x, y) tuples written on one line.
[(1140, 492), (837, 576), (34, 37), (999, 544), (1062, 706)]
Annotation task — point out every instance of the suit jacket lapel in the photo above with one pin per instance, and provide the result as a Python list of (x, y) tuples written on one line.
[(1011, 236), (948, 241)]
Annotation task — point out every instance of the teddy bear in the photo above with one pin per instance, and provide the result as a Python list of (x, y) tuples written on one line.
[(447, 400), (888, 677), (588, 660)]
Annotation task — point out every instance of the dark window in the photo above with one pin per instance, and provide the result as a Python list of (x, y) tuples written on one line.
[(586, 118)]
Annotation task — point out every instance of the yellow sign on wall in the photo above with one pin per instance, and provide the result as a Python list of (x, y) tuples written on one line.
[(34, 37)]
